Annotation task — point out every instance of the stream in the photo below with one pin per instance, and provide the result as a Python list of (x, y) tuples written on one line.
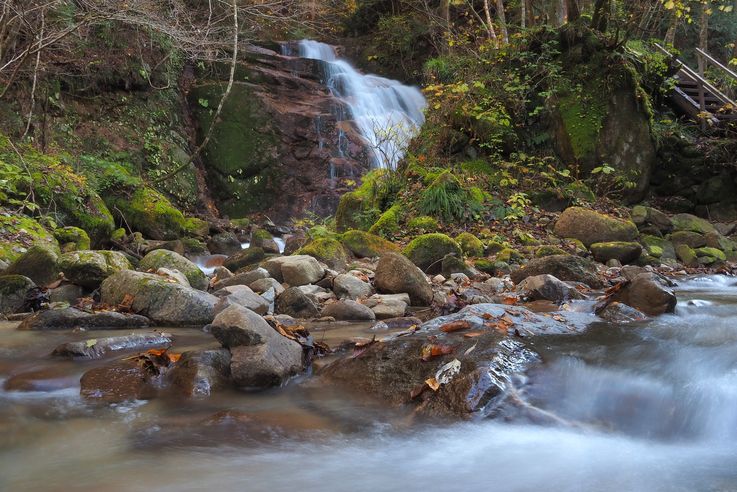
[(649, 406)]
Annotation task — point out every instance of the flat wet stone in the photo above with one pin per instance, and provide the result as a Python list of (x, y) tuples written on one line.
[(119, 382), (71, 318), (97, 348)]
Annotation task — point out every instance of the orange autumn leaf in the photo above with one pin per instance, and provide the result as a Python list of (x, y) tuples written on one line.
[(455, 326), (433, 384), (510, 300), (473, 334), (435, 350)]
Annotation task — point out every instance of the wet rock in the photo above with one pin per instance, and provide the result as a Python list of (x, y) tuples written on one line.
[(295, 303), (264, 284), (39, 263), (351, 287), (388, 305), (616, 312), (648, 293), (622, 251), (100, 347), (348, 310), (173, 276), (295, 270), (402, 322), (116, 383), (563, 267), (548, 288), (199, 373), (161, 301), (90, 268), (71, 318), (46, 379), (261, 238), (68, 293), (428, 250), (244, 258), (260, 357), (396, 274), (243, 296), (162, 258), (591, 227), (13, 290), (224, 243), (244, 278)]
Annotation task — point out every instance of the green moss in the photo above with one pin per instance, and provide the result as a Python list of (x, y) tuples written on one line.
[(447, 199), (366, 245), (194, 246), (509, 255), (72, 237), (162, 258), (327, 250), (548, 250), (428, 250), (583, 116), (195, 227), (423, 223), (118, 234), (387, 224), (715, 253), (18, 233), (360, 208), (477, 167), (494, 247), (470, 244), (486, 266), (12, 284), (150, 213)]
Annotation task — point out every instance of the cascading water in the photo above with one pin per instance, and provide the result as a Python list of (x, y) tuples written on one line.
[(386, 113)]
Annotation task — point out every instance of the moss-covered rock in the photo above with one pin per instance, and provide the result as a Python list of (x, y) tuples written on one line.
[(688, 222), (548, 250), (591, 227), (13, 290), (39, 263), (428, 250), (327, 250), (494, 247), (423, 224), (470, 245), (366, 245), (162, 258), (360, 208), (244, 258), (658, 247), (194, 227), (452, 264), (149, 212), (644, 216), (18, 233), (485, 265), (387, 224), (261, 238), (509, 255), (90, 268), (72, 238), (622, 251), (690, 238), (710, 255), (686, 255)]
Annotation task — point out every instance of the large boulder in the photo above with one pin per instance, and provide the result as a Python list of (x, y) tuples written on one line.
[(90, 268), (327, 250), (365, 245), (72, 238), (162, 258), (591, 227), (97, 348), (71, 318), (651, 219), (351, 287), (428, 250), (243, 296), (396, 274), (224, 243), (244, 278), (18, 233), (387, 306), (198, 373), (548, 288), (568, 268), (39, 263), (260, 357), (295, 270), (13, 290), (688, 222), (648, 293), (164, 302), (622, 251), (297, 304), (348, 310), (246, 257)]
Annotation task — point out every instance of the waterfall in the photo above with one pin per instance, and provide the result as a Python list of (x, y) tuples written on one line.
[(385, 112)]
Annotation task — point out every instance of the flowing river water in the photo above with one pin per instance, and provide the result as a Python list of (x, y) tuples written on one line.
[(649, 406)]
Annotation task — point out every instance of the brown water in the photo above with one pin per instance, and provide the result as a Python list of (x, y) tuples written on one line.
[(646, 407)]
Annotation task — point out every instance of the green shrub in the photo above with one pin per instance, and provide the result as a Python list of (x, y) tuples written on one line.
[(447, 199)]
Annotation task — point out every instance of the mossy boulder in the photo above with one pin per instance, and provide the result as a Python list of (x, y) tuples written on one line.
[(162, 258), (261, 238), (13, 290), (716, 240), (648, 217), (688, 222), (327, 250), (72, 238), (244, 258), (423, 224), (658, 247), (452, 264), (591, 227), (485, 265), (387, 224), (194, 227), (428, 250), (360, 208), (622, 251), (366, 245), (349, 214), (690, 238), (90, 268), (494, 247), (686, 255), (548, 250), (18, 233), (509, 255), (470, 245), (92, 215), (150, 213), (710, 256), (39, 263)]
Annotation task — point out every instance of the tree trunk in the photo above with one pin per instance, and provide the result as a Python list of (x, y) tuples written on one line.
[(573, 11), (502, 20), (704, 34), (600, 19), (490, 25), (523, 14)]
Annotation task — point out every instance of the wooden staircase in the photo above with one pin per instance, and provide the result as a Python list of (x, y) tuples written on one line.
[(697, 97)]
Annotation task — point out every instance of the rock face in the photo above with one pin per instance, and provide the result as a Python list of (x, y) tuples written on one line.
[(70, 318), (162, 258), (549, 288), (428, 250), (13, 290), (297, 304), (591, 227), (161, 301), (564, 267), (295, 270), (260, 357), (648, 293), (90, 268), (39, 264), (396, 274), (277, 139)]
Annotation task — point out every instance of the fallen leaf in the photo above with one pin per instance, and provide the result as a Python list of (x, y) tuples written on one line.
[(470, 349), (126, 304), (455, 326), (510, 300), (90, 343), (473, 334), (434, 350), (433, 384)]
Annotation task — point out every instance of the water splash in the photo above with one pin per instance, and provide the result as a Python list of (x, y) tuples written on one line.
[(386, 112)]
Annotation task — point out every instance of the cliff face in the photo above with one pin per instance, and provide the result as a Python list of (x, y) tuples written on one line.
[(278, 147)]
